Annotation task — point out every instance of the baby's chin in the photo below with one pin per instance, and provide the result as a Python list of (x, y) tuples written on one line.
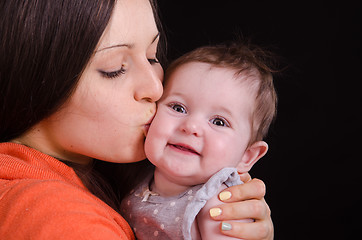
[(187, 178)]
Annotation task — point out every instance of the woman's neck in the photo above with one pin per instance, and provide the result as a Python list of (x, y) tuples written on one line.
[(37, 139)]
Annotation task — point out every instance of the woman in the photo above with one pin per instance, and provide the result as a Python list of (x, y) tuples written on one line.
[(79, 81)]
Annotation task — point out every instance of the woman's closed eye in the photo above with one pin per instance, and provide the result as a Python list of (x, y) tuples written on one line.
[(153, 61), (112, 74)]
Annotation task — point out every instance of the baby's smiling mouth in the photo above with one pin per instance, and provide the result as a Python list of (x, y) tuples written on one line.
[(184, 148)]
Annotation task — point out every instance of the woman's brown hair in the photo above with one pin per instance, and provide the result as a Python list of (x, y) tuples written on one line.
[(44, 48)]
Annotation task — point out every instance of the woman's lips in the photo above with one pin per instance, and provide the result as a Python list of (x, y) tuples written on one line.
[(184, 148), (146, 127)]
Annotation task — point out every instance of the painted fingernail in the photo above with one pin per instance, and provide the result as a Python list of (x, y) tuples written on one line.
[(225, 195), (226, 226), (214, 212)]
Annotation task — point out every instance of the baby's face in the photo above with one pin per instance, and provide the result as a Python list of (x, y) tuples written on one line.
[(203, 123)]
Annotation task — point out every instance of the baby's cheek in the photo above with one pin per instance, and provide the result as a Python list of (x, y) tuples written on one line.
[(217, 147)]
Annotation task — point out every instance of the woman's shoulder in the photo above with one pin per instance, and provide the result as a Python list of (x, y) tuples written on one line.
[(48, 197), (43, 198), (48, 209), (19, 162)]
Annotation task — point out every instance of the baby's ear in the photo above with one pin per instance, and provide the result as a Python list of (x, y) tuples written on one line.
[(252, 154)]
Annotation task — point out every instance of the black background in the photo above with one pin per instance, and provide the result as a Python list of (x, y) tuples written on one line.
[(311, 170)]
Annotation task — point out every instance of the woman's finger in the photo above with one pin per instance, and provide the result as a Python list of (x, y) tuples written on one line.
[(231, 225), (252, 209), (245, 177), (254, 189), (259, 230)]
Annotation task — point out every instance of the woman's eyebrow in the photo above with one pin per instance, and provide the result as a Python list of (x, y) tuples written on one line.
[(126, 45), (115, 46)]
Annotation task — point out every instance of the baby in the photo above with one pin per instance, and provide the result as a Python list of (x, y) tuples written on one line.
[(217, 106)]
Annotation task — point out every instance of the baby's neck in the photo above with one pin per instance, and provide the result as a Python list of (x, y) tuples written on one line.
[(165, 186)]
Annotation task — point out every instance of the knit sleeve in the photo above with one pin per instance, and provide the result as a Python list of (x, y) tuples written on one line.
[(50, 209)]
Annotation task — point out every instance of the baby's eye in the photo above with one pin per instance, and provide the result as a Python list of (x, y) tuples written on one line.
[(219, 121), (178, 108)]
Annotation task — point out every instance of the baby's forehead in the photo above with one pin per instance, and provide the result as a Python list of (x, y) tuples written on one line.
[(219, 80), (239, 74)]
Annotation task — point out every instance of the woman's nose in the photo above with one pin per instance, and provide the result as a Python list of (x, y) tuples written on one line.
[(149, 87)]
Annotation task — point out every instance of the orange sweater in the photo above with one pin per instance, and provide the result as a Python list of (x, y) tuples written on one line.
[(42, 198)]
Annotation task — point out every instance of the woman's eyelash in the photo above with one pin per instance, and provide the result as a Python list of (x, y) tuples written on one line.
[(113, 74), (153, 60)]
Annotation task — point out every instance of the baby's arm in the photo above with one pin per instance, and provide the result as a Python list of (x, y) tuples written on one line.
[(208, 228)]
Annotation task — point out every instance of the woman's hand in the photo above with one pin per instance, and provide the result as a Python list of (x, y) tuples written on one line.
[(243, 202)]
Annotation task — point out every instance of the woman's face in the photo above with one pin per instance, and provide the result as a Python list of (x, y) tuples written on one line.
[(115, 99)]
